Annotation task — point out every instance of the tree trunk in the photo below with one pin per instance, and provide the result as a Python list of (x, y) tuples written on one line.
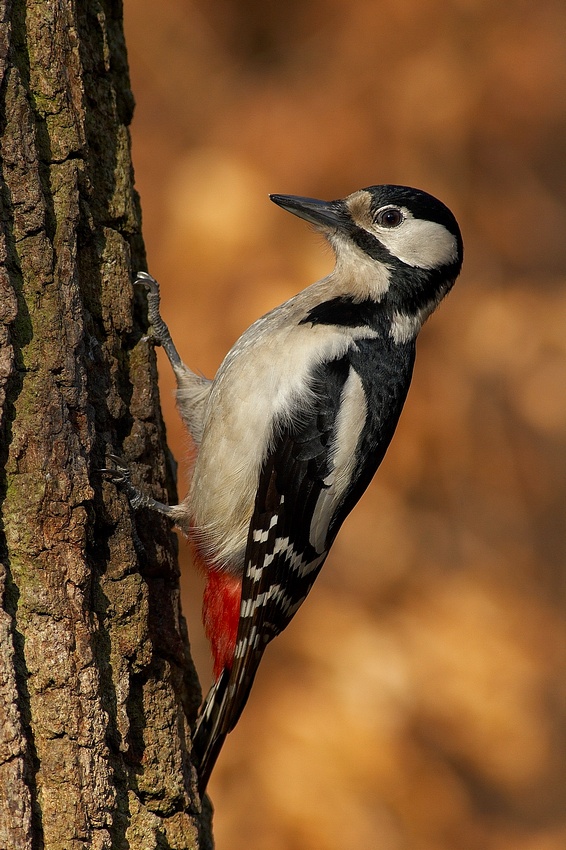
[(97, 688)]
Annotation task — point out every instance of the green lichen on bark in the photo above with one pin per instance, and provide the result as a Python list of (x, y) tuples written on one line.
[(97, 689)]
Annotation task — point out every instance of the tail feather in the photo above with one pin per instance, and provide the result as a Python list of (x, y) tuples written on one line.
[(208, 738), (219, 714)]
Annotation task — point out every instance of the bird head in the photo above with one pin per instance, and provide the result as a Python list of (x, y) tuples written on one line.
[(403, 245)]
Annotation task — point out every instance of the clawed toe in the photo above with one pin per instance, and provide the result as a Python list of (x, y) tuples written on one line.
[(150, 283), (119, 473)]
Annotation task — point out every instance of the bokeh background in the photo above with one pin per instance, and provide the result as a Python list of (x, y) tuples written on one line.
[(418, 700)]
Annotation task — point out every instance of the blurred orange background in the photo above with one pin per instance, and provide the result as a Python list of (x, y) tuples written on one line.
[(418, 700)]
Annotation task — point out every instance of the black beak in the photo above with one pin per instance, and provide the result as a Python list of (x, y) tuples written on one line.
[(328, 214)]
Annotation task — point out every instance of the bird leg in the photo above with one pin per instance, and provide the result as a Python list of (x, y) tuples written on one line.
[(159, 330)]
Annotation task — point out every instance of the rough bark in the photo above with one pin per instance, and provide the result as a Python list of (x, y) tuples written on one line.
[(97, 689)]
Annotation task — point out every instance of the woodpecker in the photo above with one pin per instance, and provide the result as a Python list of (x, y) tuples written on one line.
[(291, 430)]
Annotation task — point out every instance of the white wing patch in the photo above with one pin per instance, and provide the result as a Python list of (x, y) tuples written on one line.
[(349, 425)]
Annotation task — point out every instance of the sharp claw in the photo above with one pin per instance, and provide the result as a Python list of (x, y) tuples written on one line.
[(150, 283), (120, 473), (117, 460)]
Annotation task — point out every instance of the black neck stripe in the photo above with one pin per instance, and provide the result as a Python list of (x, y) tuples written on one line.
[(344, 312)]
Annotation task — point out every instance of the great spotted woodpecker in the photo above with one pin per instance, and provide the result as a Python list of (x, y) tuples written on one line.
[(298, 418)]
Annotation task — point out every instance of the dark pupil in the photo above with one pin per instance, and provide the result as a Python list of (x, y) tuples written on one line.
[(391, 218)]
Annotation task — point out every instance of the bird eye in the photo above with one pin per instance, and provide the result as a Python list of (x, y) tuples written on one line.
[(389, 217)]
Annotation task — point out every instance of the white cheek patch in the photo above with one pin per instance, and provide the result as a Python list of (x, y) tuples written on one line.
[(419, 243)]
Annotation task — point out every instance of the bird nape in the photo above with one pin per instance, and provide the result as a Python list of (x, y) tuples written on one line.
[(291, 430)]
